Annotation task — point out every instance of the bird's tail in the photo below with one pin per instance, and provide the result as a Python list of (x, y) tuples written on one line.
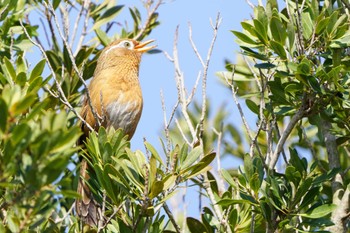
[(87, 208)]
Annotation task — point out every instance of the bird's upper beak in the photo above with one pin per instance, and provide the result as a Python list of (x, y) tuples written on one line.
[(141, 46)]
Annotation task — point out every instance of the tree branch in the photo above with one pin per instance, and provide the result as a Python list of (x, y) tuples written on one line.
[(271, 161), (150, 13), (62, 96), (71, 56)]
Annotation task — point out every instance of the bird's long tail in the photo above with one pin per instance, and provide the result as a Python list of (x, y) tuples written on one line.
[(87, 208)]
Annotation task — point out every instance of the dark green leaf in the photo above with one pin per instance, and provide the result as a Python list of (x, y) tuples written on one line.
[(252, 106), (278, 49), (266, 65), (320, 211), (260, 31), (195, 226), (107, 16), (4, 115), (278, 30), (314, 84)]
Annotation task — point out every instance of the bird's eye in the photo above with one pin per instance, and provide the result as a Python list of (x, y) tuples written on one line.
[(127, 44)]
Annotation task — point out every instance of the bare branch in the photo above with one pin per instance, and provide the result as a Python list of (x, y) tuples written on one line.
[(62, 96), (194, 46), (85, 6), (150, 13), (182, 133), (166, 122), (205, 73), (171, 217), (71, 56), (218, 157), (245, 123), (179, 78), (279, 147)]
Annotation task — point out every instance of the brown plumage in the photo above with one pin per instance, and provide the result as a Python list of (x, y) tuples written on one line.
[(116, 97)]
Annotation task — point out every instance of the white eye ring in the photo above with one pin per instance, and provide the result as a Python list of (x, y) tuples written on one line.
[(127, 44)]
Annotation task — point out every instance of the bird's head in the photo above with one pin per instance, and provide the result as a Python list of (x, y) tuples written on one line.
[(126, 47), (123, 52)]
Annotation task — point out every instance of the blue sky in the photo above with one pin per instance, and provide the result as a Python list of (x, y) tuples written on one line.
[(157, 73)]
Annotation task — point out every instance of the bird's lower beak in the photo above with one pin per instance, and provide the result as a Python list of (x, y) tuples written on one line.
[(141, 46)]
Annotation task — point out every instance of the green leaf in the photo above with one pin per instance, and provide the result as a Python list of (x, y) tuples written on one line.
[(278, 30), (331, 23), (255, 182), (314, 84), (102, 36), (192, 157), (266, 65), (107, 16), (21, 79), (24, 104), (37, 70), (321, 25), (307, 25), (169, 181), (278, 49), (4, 115), (228, 202), (10, 68), (302, 190), (310, 196), (195, 226), (251, 53), (226, 175), (152, 169), (154, 153), (260, 31), (156, 188), (252, 106), (320, 211), (243, 37), (248, 166)]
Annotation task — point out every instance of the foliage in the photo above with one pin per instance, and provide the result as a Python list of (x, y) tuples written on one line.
[(293, 74)]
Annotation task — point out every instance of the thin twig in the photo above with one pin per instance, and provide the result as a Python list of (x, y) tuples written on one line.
[(179, 78), (65, 215), (279, 147), (184, 137), (62, 96), (71, 56), (85, 26), (205, 72), (167, 124), (218, 157), (240, 110), (150, 13), (171, 217)]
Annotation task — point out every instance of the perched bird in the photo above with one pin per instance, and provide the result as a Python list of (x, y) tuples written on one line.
[(116, 97)]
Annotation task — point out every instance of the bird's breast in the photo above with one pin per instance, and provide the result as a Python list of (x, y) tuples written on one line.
[(124, 113)]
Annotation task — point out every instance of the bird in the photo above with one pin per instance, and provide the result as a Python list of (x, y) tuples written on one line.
[(116, 99)]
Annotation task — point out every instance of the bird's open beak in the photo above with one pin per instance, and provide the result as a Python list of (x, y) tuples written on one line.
[(141, 46)]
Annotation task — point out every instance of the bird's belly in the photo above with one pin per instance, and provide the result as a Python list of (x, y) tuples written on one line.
[(124, 115)]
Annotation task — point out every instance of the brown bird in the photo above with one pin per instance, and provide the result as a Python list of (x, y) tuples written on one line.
[(116, 96)]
